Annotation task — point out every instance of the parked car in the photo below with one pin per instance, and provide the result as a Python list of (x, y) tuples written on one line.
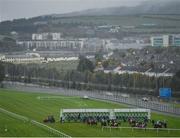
[(145, 99)]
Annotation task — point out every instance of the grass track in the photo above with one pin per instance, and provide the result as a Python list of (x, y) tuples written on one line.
[(13, 127), (27, 104)]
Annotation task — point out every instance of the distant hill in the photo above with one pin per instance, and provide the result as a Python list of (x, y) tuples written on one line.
[(148, 7), (163, 13)]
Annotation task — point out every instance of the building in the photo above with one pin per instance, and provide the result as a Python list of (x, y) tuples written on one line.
[(94, 44), (25, 58), (53, 41), (165, 41), (2, 57), (46, 36), (144, 71), (53, 44), (176, 40)]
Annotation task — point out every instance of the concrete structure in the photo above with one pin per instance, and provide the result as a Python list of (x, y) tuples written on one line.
[(46, 36), (176, 40), (133, 70), (165, 40), (135, 43), (27, 58), (2, 57), (35, 58), (94, 44), (53, 41), (80, 44), (63, 59), (53, 44)]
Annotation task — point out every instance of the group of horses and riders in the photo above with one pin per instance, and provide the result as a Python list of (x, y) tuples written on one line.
[(159, 124), (49, 119), (140, 122), (110, 122)]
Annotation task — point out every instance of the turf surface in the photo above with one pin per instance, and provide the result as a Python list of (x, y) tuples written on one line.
[(38, 106), (12, 127)]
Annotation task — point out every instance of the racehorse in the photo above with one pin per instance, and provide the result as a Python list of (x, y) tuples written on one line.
[(91, 122), (103, 123), (160, 124)]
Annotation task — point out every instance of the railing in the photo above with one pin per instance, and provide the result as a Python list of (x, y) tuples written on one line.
[(134, 128), (52, 130), (16, 116), (157, 106), (38, 124)]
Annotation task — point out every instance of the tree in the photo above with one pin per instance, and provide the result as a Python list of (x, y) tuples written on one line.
[(2, 72), (176, 81), (85, 65), (99, 56), (8, 44)]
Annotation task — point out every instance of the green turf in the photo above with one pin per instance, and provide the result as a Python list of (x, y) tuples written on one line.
[(30, 105), (12, 127), (60, 65)]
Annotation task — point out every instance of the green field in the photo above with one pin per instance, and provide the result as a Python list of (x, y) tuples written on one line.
[(62, 65), (58, 65), (12, 127), (35, 106)]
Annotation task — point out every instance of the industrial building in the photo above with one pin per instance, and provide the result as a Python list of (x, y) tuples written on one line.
[(54, 41), (52, 44), (165, 41)]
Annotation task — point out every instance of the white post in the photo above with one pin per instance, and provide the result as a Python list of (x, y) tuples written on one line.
[(149, 114)]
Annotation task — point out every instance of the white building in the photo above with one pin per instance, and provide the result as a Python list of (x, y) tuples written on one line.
[(46, 36), (53, 44), (56, 36), (2, 57), (165, 40), (27, 58), (62, 59), (131, 70)]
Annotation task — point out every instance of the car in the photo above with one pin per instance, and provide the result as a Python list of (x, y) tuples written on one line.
[(125, 95), (145, 99), (85, 97)]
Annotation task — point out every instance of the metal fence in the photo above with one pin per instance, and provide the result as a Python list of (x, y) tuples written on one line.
[(103, 95)]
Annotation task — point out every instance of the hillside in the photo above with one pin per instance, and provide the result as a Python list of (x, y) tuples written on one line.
[(164, 15), (148, 7)]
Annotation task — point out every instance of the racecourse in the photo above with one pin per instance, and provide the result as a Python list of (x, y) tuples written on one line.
[(38, 106), (165, 108)]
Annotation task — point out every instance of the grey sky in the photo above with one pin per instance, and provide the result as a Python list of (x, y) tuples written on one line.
[(11, 9)]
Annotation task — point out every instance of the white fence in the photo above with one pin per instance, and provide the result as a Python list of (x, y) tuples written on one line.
[(16, 116), (52, 130), (38, 124), (137, 128)]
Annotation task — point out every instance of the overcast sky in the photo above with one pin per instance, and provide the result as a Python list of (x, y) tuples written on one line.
[(12, 9)]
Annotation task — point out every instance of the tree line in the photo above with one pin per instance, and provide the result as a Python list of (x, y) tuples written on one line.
[(84, 77)]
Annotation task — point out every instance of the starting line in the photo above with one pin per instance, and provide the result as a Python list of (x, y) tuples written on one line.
[(157, 129)]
